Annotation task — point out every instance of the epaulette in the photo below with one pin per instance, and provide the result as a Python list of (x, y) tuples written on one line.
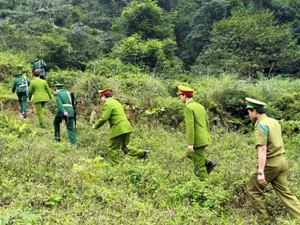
[(263, 127)]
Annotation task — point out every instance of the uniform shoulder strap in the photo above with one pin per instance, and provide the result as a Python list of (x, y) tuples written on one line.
[(264, 128), (69, 96)]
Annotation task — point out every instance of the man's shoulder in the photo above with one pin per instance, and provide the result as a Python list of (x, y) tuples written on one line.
[(33, 81), (267, 120), (112, 101), (39, 81), (194, 104), (17, 79), (57, 93), (63, 93), (266, 123)]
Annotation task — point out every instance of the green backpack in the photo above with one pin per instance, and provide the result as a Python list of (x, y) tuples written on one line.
[(24, 86)]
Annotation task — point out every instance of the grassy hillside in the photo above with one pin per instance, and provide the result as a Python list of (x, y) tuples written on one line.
[(44, 182)]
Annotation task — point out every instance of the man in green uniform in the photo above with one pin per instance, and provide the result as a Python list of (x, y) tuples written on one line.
[(20, 86), (39, 67), (40, 90), (120, 128), (197, 129), (65, 112), (272, 167)]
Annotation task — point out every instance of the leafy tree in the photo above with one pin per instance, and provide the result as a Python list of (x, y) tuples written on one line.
[(284, 11), (168, 5), (16, 41), (153, 54), (185, 11), (88, 44), (55, 50), (247, 43), (4, 4), (296, 30), (146, 19), (208, 13)]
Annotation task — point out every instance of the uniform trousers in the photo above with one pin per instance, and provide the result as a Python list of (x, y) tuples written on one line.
[(275, 171), (39, 106), (121, 141), (70, 128), (200, 160), (22, 97)]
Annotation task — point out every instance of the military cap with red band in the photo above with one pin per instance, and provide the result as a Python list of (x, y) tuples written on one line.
[(105, 91)]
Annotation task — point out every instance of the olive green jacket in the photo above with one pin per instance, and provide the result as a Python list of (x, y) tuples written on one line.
[(113, 112), (40, 90), (64, 103), (197, 125), (268, 132)]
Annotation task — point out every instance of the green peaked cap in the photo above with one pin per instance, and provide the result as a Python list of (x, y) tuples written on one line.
[(59, 86), (254, 104)]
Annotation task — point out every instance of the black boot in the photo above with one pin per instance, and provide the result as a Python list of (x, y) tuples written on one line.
[(210, 166), (146, 152)]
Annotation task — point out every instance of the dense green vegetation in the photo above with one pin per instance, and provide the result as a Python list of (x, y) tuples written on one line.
[(44, 182), (224, 49), (244, 37)]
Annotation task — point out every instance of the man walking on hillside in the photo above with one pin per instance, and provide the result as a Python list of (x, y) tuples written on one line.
[(20, 86), (197, 129), (39, 67), (120, 128), (272, 167), (65, 102), (40, 90)]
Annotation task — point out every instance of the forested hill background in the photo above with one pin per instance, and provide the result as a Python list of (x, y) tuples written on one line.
[(166, 37), (225, 50)]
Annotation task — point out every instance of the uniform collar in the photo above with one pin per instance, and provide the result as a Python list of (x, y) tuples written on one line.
[(108, 99), (263, 116), (189, 101)]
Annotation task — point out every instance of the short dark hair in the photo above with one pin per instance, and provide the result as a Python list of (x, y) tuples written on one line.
[(108, 95), (188, 95), (260, 111)]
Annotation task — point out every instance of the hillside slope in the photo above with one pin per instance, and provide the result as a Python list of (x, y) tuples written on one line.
[(45, 182)]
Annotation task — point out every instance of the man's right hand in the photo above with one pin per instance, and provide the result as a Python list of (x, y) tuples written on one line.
[(191, 148)]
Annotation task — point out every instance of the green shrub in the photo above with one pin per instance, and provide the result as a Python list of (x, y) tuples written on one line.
[(11, 64), (108, 67), (202, 194), (66, 77)]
